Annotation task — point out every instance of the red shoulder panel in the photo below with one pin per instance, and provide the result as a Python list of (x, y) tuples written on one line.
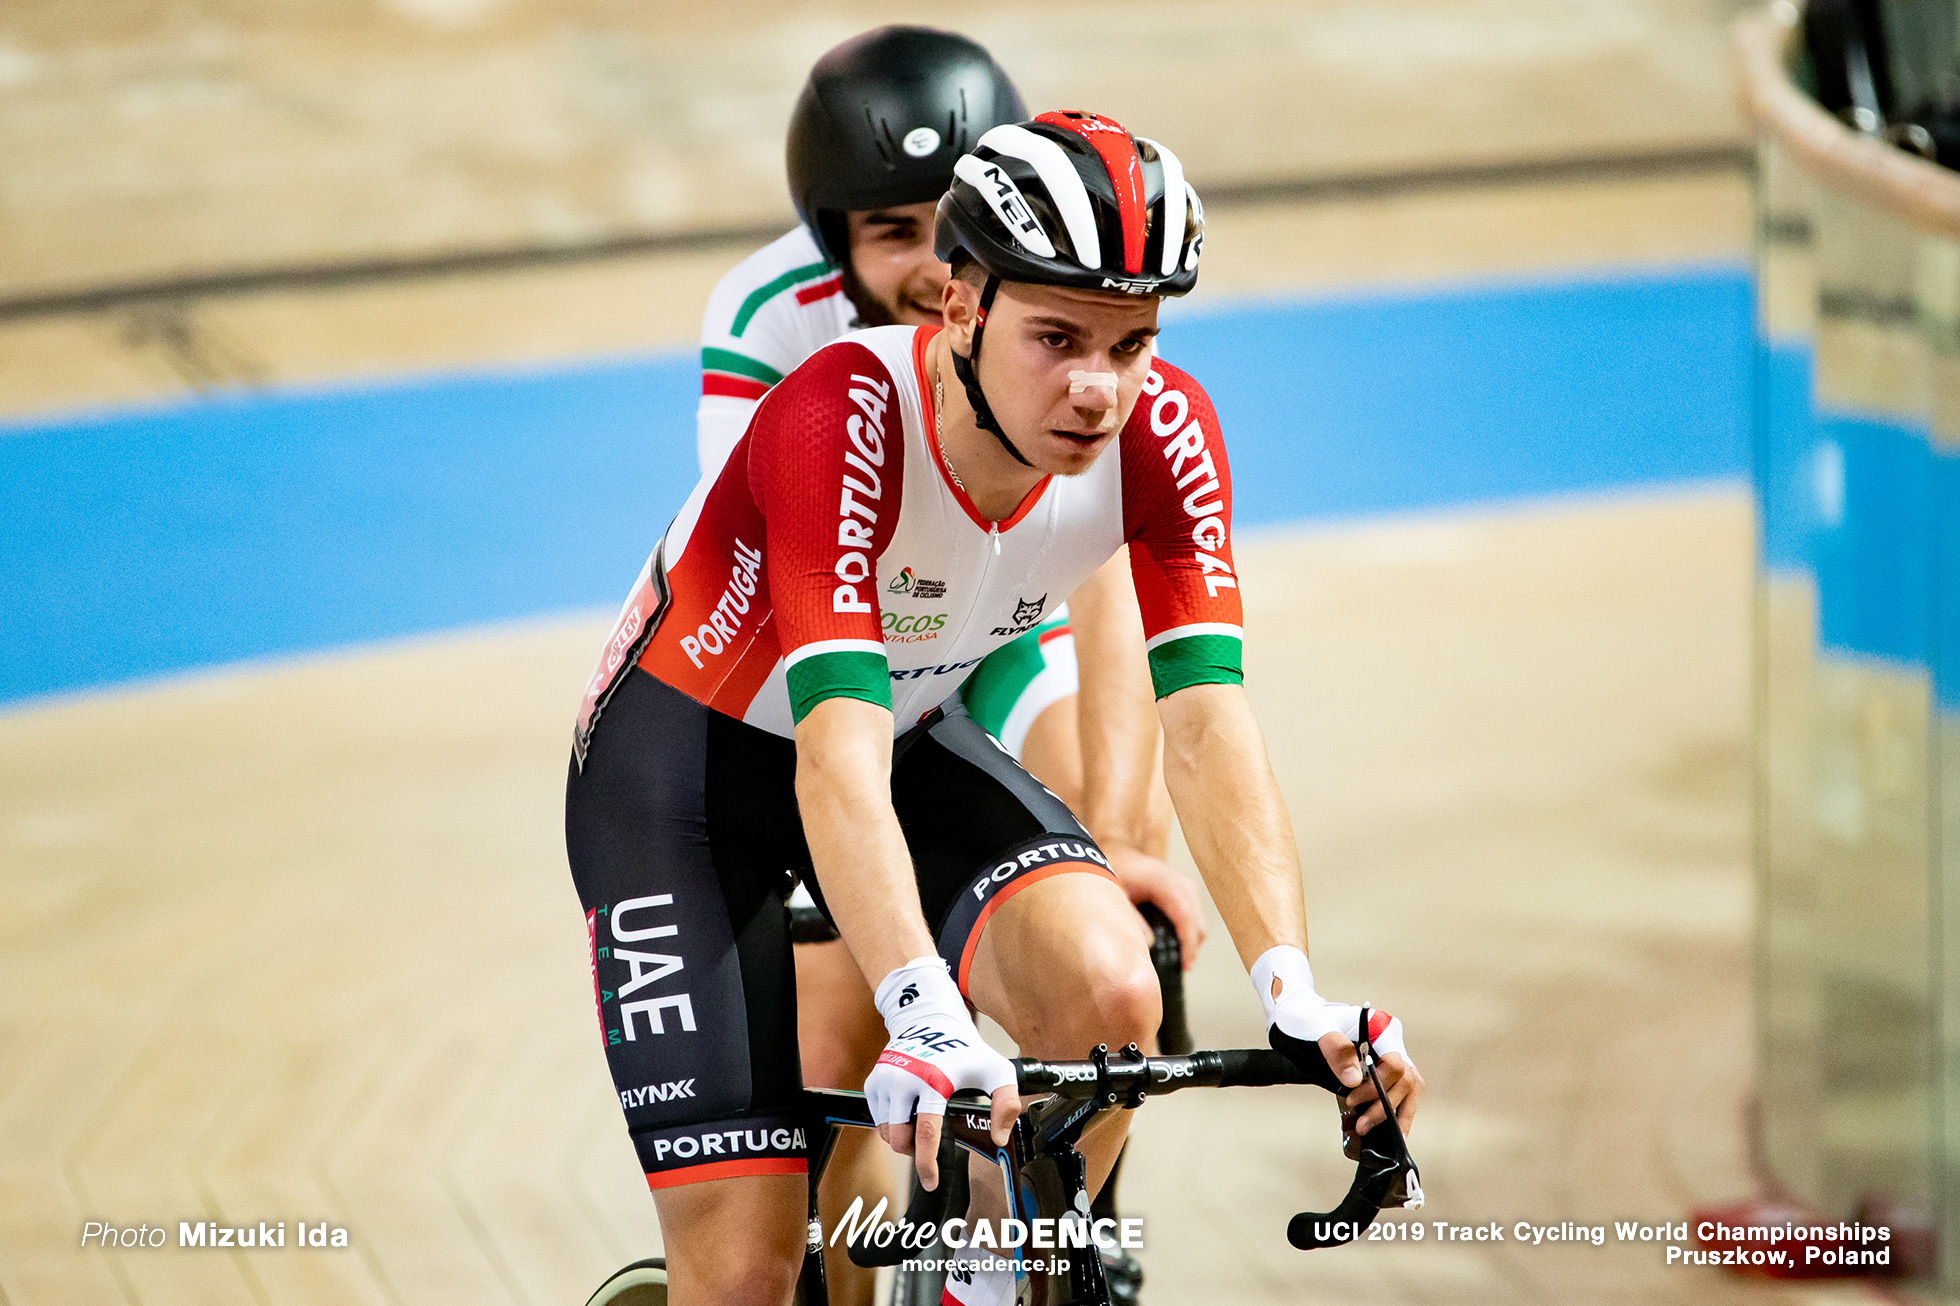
[(826, 468), (1177, 506)]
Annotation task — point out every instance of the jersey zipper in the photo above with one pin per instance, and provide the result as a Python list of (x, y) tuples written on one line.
[(979, 584)]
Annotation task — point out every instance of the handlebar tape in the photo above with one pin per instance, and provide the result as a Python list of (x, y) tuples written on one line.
[(1167, 958), (1373, 1178), (1258, 1068)]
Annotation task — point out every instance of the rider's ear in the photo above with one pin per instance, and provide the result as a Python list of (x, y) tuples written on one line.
[(960, 306)]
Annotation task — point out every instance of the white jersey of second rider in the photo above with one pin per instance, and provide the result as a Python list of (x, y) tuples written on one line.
[(771, 311)]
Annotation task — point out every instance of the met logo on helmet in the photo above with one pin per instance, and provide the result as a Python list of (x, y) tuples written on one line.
[(1130, 287), (1007, 202)]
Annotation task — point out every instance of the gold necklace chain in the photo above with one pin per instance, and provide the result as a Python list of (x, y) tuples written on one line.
[(939, 430)]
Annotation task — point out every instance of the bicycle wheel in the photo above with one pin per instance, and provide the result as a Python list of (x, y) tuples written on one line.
[(643, 1283)]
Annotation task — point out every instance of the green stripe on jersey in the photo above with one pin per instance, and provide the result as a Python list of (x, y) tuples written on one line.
[(1195, 660), (763, 294), (997, 684), (724, 360), (849, 674)]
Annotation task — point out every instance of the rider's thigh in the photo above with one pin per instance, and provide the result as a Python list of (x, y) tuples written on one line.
[(837, 1027), (688, 942), (733, 1242), (1064, 965), (1052, 751)]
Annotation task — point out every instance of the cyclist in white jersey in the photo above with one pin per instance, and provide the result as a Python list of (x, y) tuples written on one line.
[(863, 256), (866, 167), (749, 713)]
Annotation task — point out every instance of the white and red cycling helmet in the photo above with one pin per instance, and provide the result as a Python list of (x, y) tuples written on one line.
[(1072, 199), (1068, 199)]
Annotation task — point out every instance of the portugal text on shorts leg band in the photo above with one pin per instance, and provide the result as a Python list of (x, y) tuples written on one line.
[(1030, 863), (721, 1149)]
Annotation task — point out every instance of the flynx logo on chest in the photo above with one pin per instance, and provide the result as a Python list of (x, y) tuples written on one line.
[(1026, 613)]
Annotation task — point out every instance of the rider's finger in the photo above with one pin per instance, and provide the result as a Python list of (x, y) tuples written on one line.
[(1358, 1097), (927, 1157), (1408, 1090), (1361, 1110), (899, 1137), (1006, 1109), (1341, 1058), (1404, 1087)]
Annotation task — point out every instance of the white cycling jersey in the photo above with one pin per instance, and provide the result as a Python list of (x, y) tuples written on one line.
[(832, 556)]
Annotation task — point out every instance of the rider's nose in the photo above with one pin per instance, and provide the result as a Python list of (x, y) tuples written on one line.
[(1093, 395)]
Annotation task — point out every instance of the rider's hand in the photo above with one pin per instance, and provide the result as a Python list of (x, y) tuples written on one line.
[(1152, 879), (1299, 1021), (934, 1052)]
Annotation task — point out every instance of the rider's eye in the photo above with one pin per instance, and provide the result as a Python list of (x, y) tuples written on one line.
[(1129, 348), (1054, 340)]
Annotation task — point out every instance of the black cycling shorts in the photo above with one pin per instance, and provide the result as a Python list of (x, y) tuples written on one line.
[(684, 840)]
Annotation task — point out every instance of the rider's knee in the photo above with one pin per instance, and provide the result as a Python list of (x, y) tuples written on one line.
[(724, 1279), (1124, 1003)]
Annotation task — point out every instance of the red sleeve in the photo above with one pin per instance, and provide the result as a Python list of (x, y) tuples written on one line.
[(1177, 516), (826, 468)]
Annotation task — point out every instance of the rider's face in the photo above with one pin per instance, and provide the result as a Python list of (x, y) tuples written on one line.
[(1039, 357), (892, 258)]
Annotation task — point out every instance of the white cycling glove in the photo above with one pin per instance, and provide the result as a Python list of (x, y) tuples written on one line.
[(934, 1048), (1285, 984)]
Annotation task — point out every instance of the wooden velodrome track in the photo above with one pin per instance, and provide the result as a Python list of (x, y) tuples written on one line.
[(296, 942)]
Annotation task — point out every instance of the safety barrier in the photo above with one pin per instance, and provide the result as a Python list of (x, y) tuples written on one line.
[(1857, 476)]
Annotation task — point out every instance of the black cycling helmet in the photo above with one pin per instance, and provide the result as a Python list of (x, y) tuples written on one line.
[(1068, 199), (882, 119)]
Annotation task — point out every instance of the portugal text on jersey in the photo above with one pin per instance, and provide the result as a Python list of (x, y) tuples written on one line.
[(788, 570)]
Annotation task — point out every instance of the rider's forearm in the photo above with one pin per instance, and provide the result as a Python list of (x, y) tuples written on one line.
[(1118, 729), (843, 791), (1234, 821)]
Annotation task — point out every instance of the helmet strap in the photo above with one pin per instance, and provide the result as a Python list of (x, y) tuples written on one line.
[(963, 367)]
